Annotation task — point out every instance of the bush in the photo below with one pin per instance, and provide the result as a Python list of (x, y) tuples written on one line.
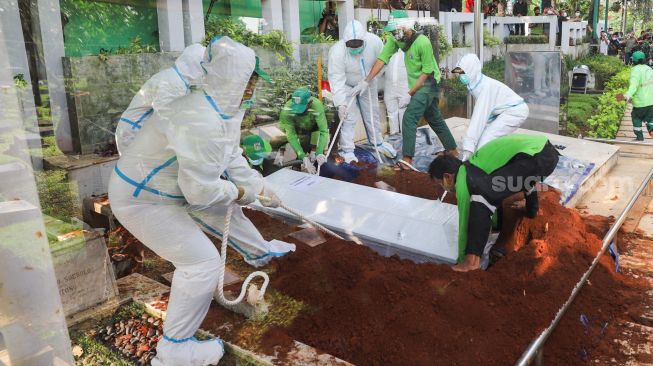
[(454, 91), (225, 26), (605, 123), (603, 67), (526, 40), (489, 40), (495, 68), (578, 109)]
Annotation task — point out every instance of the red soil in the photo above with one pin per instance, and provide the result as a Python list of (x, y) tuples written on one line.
[(407, 182), (372, 310)]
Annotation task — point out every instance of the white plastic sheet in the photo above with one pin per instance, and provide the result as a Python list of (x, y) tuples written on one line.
[(390, 222)]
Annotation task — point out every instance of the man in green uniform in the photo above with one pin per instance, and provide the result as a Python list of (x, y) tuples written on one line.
[(640, 92), (423, 80), (501, 168), (305, 124)]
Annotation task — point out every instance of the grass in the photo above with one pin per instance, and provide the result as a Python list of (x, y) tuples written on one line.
[(578, 109), (57, 195), (282, 311)]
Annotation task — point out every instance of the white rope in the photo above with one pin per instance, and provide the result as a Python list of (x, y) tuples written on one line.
[(223, 262), (304, 218)]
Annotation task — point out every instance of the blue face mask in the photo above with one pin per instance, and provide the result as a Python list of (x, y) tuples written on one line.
[(463, 79), (247, 104), (355, 51)]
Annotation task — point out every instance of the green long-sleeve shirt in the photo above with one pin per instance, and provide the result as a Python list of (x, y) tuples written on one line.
[(419, 58), (492, 156), (298, 126), (640, 88)]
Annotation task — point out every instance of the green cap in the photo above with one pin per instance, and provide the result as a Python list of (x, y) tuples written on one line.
[(638, 56), (260, 72), (300, 99), (256, 149), (392, 24)]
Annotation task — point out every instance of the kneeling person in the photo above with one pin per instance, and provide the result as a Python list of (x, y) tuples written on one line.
[(305, 124), (499, 169)]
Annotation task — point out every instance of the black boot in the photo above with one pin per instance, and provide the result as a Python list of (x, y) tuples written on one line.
[(532, 204)]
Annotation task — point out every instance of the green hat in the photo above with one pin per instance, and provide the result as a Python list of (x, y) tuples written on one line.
[(256, 149), (395, 14), (260, 72), (300, 99), (638, 56)]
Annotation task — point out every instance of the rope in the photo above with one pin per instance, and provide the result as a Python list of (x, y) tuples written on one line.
[(221, 269), (304, 219)]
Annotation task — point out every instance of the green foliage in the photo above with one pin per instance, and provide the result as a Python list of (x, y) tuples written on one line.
[(322, 38), (19, 81), (56, 194), (526, 40), (454, 91), (489, 40), (605, 123), (135, 46), (577, 110), (495, 68), (275, 41), (603, 67), (443, 43)]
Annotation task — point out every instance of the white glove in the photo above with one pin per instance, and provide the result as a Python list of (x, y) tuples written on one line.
[(466, 155), (404, 101), (269, 199), (342, 112), (278, 159), (321, 159), (249, 196), (359, 88), (308, 166)]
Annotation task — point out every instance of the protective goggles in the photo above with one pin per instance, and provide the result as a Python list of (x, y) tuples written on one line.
[(354, 43)]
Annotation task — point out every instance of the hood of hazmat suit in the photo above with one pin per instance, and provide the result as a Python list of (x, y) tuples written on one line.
[(158, 91), (498, 110), (346, 70), (227, 66)]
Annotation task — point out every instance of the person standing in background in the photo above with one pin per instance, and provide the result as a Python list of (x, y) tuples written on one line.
[(520, 9), (604, 42)]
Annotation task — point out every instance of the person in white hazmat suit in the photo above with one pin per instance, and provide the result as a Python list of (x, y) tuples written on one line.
[(498, 110), (350, 59), (159, 90), (395, 91), (173, 168)]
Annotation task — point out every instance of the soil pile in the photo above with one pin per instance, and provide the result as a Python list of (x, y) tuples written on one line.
[(408, 182), (372, 310)]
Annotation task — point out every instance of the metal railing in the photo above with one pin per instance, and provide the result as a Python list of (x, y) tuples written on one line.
[(535, 349)]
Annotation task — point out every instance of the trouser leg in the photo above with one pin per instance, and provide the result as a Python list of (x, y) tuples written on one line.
[(171, 233), (436, 122), (372, 121), (637, 116), (347, 131), (394, 118), (478, 230), (244, 237), (414, 112)]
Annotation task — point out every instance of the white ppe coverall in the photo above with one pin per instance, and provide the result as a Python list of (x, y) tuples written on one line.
[(498, 110), (159, 90), (396, 91), (168, 184), (345, 72)]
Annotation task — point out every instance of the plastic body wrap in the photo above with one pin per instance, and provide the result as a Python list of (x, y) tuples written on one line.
[(389, 222)]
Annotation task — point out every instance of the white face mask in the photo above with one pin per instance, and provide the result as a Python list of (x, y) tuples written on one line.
[(577, 14)]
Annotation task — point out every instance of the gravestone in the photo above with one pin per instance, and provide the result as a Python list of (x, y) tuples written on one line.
[(82, 267)]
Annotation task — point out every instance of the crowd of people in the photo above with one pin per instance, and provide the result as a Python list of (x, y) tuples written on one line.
[(613, 43)]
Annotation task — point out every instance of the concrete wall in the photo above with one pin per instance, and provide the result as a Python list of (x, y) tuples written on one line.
[(99, 91)]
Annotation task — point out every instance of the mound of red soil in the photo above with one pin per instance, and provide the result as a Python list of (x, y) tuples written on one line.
[(372, 310), (408, 182)]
